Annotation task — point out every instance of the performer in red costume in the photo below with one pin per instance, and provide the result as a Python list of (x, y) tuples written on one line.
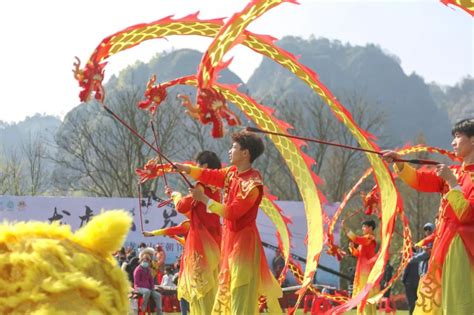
[(244, 274), (198, 278), (365, 253), (448, 286)]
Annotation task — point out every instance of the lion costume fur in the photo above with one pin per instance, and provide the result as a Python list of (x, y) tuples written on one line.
[(47, 269)]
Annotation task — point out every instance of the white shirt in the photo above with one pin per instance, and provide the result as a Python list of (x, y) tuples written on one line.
[(167, 281)]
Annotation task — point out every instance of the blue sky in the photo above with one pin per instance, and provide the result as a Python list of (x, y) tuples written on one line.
[(41, 39)]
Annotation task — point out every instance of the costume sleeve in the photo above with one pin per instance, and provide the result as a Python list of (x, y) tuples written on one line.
[(176, 196), (182, 205), (354, 251), (208, 176), (429, 239), (181, 229), (180, 240), (462, 201), (238, 206), (421, 180), (360, 240)]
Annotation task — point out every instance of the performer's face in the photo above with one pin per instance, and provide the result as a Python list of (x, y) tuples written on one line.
[(462, 145), (366, 229), (237, 155)]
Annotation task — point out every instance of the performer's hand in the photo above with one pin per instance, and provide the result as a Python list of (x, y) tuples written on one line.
[(390, 156), (183, 168), (418, 245), (168, 191), (443, 171), (147, 234), (348, 232), (198, 195)]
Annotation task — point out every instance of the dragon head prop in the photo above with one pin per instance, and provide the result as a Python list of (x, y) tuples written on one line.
[(371, 201), (333, 249), (90, 79), (154, 94), (211, 107), (47, 269), (153, 169)]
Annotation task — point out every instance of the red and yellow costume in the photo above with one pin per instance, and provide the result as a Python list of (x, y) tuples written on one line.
[(427, 241), (244, 274), (448, 286), (198, 278), (365, 253), (178, 232)]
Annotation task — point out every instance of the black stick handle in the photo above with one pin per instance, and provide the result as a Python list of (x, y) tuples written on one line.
[(135, 133), (413, 161)]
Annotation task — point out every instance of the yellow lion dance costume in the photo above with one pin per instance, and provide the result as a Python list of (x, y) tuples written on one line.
[(47, 269)]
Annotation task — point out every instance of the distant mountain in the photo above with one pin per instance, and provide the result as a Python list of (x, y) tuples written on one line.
[(25, 151), (168, 66), (367, 71), (412, 106), (42, 127), (457, 100)]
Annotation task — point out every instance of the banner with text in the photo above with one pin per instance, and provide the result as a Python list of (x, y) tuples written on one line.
[(77, 211)]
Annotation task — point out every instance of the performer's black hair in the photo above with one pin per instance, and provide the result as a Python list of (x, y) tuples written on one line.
[(249, 141), (370, 223), (465, 126), (209, 158)]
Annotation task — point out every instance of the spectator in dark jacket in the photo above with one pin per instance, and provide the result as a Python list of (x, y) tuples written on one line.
[(410, 280), (424, 246), (129, 267), (387, 275)]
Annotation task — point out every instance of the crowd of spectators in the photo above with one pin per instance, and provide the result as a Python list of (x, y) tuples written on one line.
[(146, 270)]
